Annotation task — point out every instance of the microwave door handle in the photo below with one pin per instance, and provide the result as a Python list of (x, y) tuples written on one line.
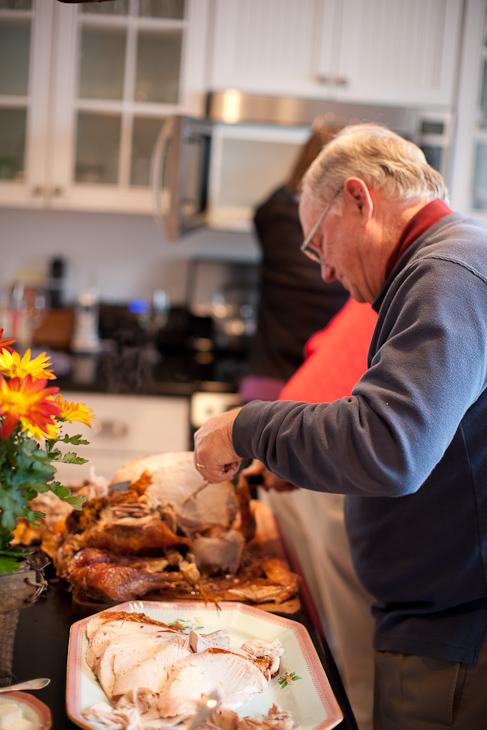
[(157, 171)]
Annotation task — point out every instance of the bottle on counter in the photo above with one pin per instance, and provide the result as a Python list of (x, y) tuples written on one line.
[(86, 323), (29, 303), (57, 271)]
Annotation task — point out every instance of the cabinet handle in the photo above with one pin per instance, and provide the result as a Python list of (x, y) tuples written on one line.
[(341, 81), (38, 190), (111, 428), (323, 80)]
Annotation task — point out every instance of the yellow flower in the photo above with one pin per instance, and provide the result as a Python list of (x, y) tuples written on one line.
[(12, 365), (49, 430), (74, 411)]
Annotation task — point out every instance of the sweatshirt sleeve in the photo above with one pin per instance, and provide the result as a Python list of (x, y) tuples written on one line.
[(428, 367)]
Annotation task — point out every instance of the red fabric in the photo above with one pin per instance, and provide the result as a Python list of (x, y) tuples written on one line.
[(419, 224), (336, 357)]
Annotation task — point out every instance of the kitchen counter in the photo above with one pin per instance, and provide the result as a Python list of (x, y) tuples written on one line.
[(41, 646), (140, 371), (181, 358)]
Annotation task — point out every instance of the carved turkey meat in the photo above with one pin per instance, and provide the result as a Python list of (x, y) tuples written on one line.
[(173, 671)]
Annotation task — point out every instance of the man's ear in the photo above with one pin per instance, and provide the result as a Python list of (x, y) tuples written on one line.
[(357, 195)]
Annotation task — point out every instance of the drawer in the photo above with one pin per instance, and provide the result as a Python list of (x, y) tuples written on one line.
[(125, 427)]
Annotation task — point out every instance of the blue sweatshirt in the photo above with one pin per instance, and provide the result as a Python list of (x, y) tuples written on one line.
[(408, 448)]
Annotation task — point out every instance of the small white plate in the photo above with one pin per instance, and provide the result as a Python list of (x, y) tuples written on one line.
[(306, 693), (33, 709)]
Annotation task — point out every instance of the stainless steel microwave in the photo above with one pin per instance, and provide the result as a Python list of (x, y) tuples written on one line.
[(215, 171), (180, 174)]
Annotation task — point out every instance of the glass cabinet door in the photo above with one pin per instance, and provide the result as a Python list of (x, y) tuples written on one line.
[(84, 91), (15, 32), (24, 61), (127, 76)]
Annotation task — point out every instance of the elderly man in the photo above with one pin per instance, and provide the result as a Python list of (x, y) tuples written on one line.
[(409, 447)]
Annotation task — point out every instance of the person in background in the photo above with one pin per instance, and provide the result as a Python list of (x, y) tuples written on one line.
[(408, 447), (314, 523), (294, 301)]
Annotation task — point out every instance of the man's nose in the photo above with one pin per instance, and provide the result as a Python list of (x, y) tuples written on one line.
[(327, 273)]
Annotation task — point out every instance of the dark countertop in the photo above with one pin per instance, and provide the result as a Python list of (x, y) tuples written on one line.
[(41, 646), (183, 357), (139, 371)]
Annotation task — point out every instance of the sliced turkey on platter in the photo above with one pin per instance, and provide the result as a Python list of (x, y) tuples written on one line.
[(153, 673), (234, 652)]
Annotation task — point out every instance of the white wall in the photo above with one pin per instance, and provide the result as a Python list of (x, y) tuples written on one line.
[(124, 255)]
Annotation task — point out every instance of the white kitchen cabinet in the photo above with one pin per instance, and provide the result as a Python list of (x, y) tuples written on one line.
[(125, 427), (84, 89), (367, 51)]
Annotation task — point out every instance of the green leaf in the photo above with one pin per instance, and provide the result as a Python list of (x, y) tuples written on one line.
[(13, 504), (71, 458), (16, 550), (8, 564), (64, 493), (55, 455), (76, 502), (75, 440), (60, 490), (5, 539)]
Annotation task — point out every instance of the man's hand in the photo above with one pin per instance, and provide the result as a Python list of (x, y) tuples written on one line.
[(214, 456)]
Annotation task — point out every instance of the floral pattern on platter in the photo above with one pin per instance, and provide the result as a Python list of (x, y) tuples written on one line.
[(286, 677)]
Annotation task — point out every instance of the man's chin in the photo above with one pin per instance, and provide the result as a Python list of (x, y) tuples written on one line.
[(359, 298), (355, 293)]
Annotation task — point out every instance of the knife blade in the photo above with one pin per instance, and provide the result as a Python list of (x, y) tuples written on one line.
[(120, 486)]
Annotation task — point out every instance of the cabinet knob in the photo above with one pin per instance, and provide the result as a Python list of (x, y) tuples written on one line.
[(37, 190), (115, 429), (323, 80), (341, 81), (57, 191)]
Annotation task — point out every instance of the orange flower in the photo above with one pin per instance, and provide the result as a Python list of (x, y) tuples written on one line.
[(28, 401), (74, 411), (4, 343)]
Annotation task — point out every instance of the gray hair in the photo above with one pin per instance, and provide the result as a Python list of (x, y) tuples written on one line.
[(381, 158)]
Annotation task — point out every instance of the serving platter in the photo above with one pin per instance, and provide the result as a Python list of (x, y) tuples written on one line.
[(301, 686)]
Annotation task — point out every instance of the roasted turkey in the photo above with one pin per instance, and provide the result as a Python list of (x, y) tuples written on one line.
[(160, 535)]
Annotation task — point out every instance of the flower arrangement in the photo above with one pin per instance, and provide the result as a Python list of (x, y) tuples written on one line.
[(31, 418)]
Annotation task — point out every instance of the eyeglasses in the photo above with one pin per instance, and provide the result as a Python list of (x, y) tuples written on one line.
[(305, 247)]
